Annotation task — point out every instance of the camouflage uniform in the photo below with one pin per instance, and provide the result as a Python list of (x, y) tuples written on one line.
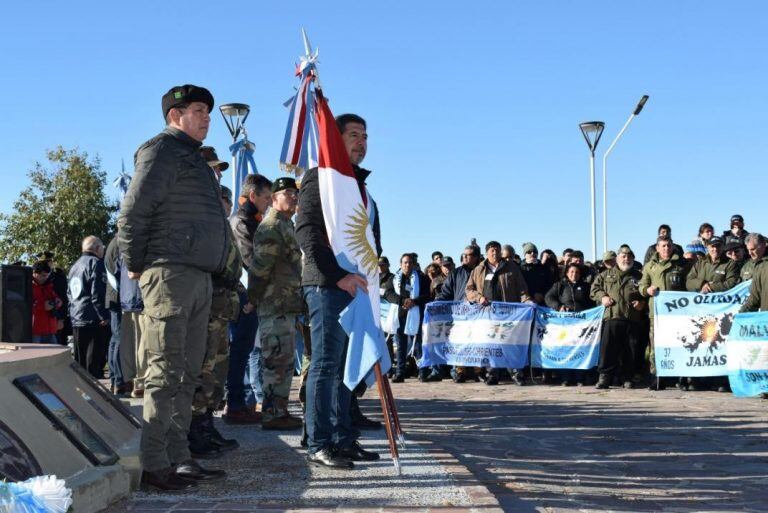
[(225, 307), (275, 287)]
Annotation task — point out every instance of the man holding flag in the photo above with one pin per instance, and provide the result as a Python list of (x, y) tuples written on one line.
[(329, 288)]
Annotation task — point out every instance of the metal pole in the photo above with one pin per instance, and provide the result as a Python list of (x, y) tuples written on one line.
[(605, 182), (592, 190)]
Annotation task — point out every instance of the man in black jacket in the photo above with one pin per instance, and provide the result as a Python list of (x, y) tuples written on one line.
[(328, 289), (173, 234), (87, 307)]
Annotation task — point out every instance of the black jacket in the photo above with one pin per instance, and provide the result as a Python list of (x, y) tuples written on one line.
[(87, 291), (398, 297), (320, 266), (172, 211), (385, 283), (573, 296), (454, 286), (538, 278), (244, 224)]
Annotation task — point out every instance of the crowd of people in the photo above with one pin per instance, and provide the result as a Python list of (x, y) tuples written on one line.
[(162, 306)]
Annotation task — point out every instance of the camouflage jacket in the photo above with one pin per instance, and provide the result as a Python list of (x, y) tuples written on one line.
[(623, 288), (229, 276), (664, 274), (758, 292), (274, 283)]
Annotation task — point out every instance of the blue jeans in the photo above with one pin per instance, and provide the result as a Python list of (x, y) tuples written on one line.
[(328, 399), (242, 335), (113, 354), (254, 376)]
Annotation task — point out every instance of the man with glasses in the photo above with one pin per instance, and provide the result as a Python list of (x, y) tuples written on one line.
[(538, 279), (275, 288)]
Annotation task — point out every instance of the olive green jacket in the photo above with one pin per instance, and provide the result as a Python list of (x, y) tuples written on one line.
[(664, 274), (749, 268), (758, 292), (623, 288), (722, 274), (275, 271)]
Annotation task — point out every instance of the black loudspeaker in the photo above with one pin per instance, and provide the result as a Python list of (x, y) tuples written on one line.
[(16, 304)]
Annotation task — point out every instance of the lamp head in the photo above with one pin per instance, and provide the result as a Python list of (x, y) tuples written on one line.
[(592, 131), (234, 115)]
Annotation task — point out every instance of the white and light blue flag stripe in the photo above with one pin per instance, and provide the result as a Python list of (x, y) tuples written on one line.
[(460, 333), (690, 331), (566, 340), (747, 348)]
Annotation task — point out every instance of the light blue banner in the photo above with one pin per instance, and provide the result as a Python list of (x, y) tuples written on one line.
[(470, 335), (690, 330), (747, 347), (566, 340)]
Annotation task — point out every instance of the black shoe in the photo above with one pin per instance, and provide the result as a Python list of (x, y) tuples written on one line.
[(423, 378), (491, 381), (328, 458), (166, 480), (434, 377), (363, 422), (604, 382), (191, 469), (399, 378), (213, 435), (356, 453), (459, 378)]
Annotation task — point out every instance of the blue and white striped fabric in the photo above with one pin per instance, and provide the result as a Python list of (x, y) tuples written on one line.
[(243, 165), (494, 336), (747, 350), (690, 330), (299, 151), (566, 340)]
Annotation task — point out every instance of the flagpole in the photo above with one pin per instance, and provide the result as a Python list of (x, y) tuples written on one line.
[(388, 419), (395, 416)]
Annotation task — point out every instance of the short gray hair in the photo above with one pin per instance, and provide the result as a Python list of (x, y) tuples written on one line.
[(92, 244), (755, 238)]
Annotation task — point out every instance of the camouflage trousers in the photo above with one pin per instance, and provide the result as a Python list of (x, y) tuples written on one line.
[(215, 366), (651, 352), (277, 334)]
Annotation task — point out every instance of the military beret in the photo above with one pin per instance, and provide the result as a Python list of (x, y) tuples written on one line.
[(732, 245), (609, 255), (209, 154), (715, 241), (186, 94), (283, 183)]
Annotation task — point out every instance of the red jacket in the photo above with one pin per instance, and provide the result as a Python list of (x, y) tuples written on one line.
[(43, 321)]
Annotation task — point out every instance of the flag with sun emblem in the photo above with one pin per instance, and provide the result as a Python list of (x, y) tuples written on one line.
[(691, 329), (747, 349), (349, 215), (566, 340)]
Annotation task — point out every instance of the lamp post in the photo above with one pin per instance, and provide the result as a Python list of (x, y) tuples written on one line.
[(637, 110), (592, 130), (234, 115)]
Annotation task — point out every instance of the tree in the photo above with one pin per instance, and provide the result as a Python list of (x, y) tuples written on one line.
[(63, 205)]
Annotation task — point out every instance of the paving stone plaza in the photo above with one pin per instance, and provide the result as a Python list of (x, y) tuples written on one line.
[(518, 449)]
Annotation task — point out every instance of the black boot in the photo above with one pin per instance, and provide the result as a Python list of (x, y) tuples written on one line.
[(200, 446), (213, 435)]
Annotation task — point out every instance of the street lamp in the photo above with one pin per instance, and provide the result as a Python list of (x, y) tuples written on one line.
[(234, 115), (637, 110), (592, 130)]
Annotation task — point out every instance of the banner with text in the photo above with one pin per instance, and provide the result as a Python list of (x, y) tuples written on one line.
[(690, 331), (493, 336), (747, 347), (566, 340)]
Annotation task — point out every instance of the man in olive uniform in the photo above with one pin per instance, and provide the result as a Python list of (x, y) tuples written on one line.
[(664, 271), (755, 243), (713, 273), (275, 288), (205, 441), (617, 288), (172, 235)]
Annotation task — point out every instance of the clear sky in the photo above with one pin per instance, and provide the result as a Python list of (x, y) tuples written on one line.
[(473, 107)]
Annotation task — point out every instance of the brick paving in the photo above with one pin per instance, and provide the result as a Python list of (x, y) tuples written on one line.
[(563, 450)]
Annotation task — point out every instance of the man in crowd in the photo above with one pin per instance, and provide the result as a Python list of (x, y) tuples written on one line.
[(205, 441), (437, 257), (665, 271), (244, 374), (328, 289), (715, 272), (755, 243), (617, 289), (118, 381), (448, 266), (173, 234), (497, 280), (663, 231), (59, 280), (537, 278), (507, 253), (87, 307), (737, 233), (735, 253), (275, 289), (410, 292), (608, 261), (454, 289), (757, 301), (44, 305)]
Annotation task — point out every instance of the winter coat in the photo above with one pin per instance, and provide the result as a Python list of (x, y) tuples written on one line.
[(507, 281), (44, 321), (87, 291), (573, 296)]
